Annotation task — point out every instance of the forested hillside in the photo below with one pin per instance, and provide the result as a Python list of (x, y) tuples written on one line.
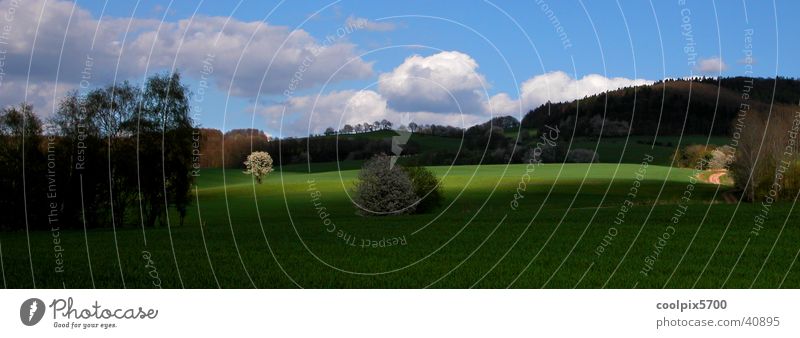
[(672, 107)]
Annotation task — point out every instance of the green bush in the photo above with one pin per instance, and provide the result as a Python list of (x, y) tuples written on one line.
[(583, 156), (696, 156), (426, 188)]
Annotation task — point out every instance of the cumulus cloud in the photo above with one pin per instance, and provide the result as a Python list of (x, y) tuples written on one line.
[(443, 88), (43, 95), (151, 46), (294, 54), (503, 104), (79, 32), (369, 25), (311, 114), (559, 86), (711, 65), (449, 82), (445, 82), (431, 90)]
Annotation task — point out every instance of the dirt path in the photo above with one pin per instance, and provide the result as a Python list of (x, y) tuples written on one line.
[(714, 178)]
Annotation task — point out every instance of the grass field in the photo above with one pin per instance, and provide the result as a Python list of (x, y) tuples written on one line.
[(273, 236), (631, 150), (609, 149), (618, 149)]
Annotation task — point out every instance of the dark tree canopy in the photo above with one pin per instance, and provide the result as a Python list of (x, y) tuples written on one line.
[(126, 149)]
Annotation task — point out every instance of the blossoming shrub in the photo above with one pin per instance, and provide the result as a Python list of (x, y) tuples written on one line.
[(383, 189), (258, 164)]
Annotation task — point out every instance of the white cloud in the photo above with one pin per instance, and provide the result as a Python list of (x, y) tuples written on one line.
[(711, 65), (432, 89), (43, 95), (287, 50), (554, 87), (151, 46), (559, 86), (503, 104), (449, 82), (54, 28), (416, 88), (369, 25), (311, 114), (445, 82)]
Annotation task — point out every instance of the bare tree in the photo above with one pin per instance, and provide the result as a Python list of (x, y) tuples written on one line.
[(767, 155)]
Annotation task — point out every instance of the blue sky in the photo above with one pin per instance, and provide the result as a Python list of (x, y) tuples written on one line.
[(503, 44), (718, 29)]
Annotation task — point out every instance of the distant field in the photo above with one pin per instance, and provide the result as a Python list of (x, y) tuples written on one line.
[(609, 149), (426, 142), (272, 236), (616, 149)]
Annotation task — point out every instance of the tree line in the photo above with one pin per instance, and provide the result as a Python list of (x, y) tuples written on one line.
[(671, 107), (366, 127), (485, 142), (120, 155)]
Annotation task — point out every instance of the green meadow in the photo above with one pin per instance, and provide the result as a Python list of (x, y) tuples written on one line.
[(632, 149), (572, 225)]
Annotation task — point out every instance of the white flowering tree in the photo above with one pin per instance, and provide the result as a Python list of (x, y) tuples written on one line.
[(258, 164), (383, 189)]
